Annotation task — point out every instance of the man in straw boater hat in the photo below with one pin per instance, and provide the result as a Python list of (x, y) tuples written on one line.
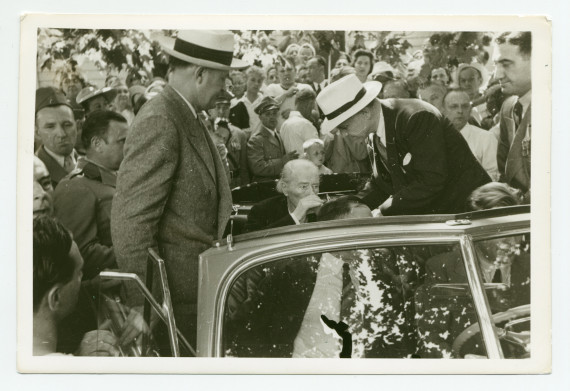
[(420, 163), (172, 190)]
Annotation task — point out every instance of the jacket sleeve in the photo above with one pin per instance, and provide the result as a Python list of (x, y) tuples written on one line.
[(258, 163), (143, 187), (75, 206), (423, 135), (489, 158)]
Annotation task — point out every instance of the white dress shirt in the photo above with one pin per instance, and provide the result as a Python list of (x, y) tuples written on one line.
[(295, 131), (483, 144)]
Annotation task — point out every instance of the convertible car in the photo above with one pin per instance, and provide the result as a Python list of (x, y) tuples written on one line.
[(435, 286)]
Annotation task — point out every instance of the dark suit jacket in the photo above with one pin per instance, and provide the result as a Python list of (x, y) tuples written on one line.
[(56, 172), (172, 193), (264, 153), (512, 160), (239, 116), (441, 171), (82, 202), (269, 213)]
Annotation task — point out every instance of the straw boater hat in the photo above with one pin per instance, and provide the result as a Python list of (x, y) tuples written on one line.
[(345, 97), (208, 48), (91, 92)]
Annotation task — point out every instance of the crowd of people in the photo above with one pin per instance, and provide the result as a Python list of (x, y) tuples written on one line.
[(150, 162)]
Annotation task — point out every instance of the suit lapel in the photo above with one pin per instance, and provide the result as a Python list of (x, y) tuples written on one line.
[(514, 169), (56, 171), (272, 139), (194, 131), (393, 163)]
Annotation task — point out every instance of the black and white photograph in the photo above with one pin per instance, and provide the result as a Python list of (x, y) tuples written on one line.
[(314, 189)]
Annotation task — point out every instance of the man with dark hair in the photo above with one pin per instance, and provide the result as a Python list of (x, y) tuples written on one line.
[(83, 199), (55, 127), (173, 193), (345, 207), (317, 73), (298, 127), (513, 62), (57, 276)]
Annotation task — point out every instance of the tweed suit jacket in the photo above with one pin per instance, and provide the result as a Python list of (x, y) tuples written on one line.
[(264, 153), (510, 151), (172, 193), (430, 167)]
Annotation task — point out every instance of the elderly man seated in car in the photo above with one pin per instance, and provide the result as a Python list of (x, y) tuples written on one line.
[(299, 185)]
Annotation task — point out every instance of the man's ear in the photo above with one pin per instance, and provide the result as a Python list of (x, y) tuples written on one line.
[(199, 72), (54, 297), (95, 143)]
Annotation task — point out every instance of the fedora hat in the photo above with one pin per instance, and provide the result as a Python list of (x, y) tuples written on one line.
[(345, 97), (208, 48)]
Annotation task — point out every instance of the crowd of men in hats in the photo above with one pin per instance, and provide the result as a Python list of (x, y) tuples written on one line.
[(151, 163)]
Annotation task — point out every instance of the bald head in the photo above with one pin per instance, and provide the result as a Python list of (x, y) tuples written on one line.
[(299, 179), (457, 108)]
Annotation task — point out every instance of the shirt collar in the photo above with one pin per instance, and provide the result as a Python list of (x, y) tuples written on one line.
[(381, 131), (59, 158), (186, 100), (525, 100)]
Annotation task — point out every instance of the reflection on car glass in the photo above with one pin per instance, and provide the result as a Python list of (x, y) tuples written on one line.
[(383, 295)]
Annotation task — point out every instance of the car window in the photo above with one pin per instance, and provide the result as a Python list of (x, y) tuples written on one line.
[(504, 267), (386, 302)]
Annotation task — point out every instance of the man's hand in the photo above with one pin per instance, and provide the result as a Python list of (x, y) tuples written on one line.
[(99, 343), (289, 156), (291, 92), (305, 204), (385, 206)]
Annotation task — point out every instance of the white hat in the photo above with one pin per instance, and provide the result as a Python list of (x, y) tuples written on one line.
[(345, 97), (208, 48), (479, 68)]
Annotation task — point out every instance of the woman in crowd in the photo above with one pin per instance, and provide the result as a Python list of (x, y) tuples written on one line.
[(271, 76), (363, 63), (439, 76), (342, 61)]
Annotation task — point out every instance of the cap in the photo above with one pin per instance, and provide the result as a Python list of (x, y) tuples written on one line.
[(91, 92), (266, 104), (224, 97), (50, 96)]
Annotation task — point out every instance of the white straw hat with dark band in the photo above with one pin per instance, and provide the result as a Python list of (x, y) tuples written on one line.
[(208, 48), (345, 97)]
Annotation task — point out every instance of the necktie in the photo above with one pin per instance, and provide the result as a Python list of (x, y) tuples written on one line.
[(68, 164), (517, 113)]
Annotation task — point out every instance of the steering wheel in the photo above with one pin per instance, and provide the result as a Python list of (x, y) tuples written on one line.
[(513, 316)]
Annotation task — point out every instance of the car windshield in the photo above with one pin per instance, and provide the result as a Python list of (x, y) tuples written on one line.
[(379, 302)]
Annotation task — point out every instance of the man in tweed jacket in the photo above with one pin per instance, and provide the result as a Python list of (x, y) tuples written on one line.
[(172, 190)]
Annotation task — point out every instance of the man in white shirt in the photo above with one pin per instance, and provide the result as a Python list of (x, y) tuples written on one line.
[(483, 144), (298, 128), (55, 127)]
